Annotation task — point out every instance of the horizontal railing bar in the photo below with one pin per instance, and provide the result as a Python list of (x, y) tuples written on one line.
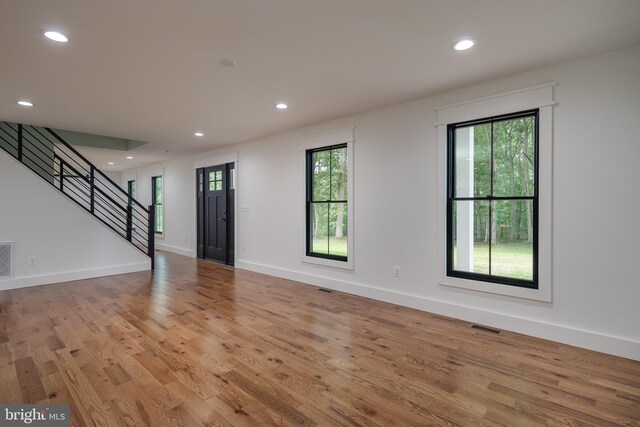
[(145, 210), (123, 208), (117, 204), (28, 129), (66, 144), (107, 201), (101, 210), (100, 202), (73, 150), (9, 143), (104, 187), (69, 159), (11, 127), (74, 170), (40, 133), (109, 180), (70, 185), (28, 158), (9, 135), (26, 141), (80, 197), (108, 224), (106, 204), (104, 207)]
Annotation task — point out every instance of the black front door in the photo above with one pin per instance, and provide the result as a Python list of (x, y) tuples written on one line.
[(215, 219), (215, 200)]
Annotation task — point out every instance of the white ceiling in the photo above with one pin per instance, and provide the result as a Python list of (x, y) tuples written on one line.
[(149, 70)]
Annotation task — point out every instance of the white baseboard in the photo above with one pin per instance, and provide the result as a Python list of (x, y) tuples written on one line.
[(67, 276), (176, 250), (617, 346)]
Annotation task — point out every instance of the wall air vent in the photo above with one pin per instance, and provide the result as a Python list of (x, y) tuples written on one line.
[(486, 329), (6, 260)]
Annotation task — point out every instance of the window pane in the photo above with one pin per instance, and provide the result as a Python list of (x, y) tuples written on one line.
[(471, 236), (158, 190), (473, 161), (339, 174), (232, 183), (338, 229), (212, 176), (513, 151), (218, 185), (159, 219), (320, 174), (512, 245), (318, 228)]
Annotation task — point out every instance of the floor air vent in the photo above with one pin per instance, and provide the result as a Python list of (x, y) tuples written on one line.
[(325, 290), (6, 260), (486, 329)]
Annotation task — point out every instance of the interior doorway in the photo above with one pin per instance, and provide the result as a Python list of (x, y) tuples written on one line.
[(215, 213)]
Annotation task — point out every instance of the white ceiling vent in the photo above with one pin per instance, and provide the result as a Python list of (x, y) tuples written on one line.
[(6, 260)]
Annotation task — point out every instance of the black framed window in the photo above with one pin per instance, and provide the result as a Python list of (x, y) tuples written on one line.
[(327, 205), (131, 191), (157, 196), (492, 199)]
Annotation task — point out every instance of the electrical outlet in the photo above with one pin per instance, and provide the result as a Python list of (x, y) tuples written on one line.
[(32, 260), (396, 271), (244, 248)]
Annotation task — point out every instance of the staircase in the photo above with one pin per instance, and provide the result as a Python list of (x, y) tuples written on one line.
[(53, 159)]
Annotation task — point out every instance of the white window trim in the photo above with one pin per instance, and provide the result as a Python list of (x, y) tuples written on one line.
[(540, 97), (328, 139)]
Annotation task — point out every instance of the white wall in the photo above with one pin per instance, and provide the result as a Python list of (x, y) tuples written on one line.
[(596, 238), (68, 243)]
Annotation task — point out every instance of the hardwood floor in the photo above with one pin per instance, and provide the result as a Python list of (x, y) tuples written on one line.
[(203, 344)]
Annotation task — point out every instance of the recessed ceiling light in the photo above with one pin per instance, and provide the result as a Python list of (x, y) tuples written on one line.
[(56, 36), (227, 62), (130, 157), (110, 163), (24, 103), (282, 106), (199, 134), (463, 44)]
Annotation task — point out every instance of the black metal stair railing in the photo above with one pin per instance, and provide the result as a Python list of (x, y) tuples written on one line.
[(48, 155)]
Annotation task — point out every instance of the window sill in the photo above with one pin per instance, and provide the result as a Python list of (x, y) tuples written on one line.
[(543, 293), (342, 265)]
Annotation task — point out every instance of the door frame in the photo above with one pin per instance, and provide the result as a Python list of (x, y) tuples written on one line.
[(208, 161)]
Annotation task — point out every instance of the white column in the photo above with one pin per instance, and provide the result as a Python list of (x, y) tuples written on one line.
[(464, 188)]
